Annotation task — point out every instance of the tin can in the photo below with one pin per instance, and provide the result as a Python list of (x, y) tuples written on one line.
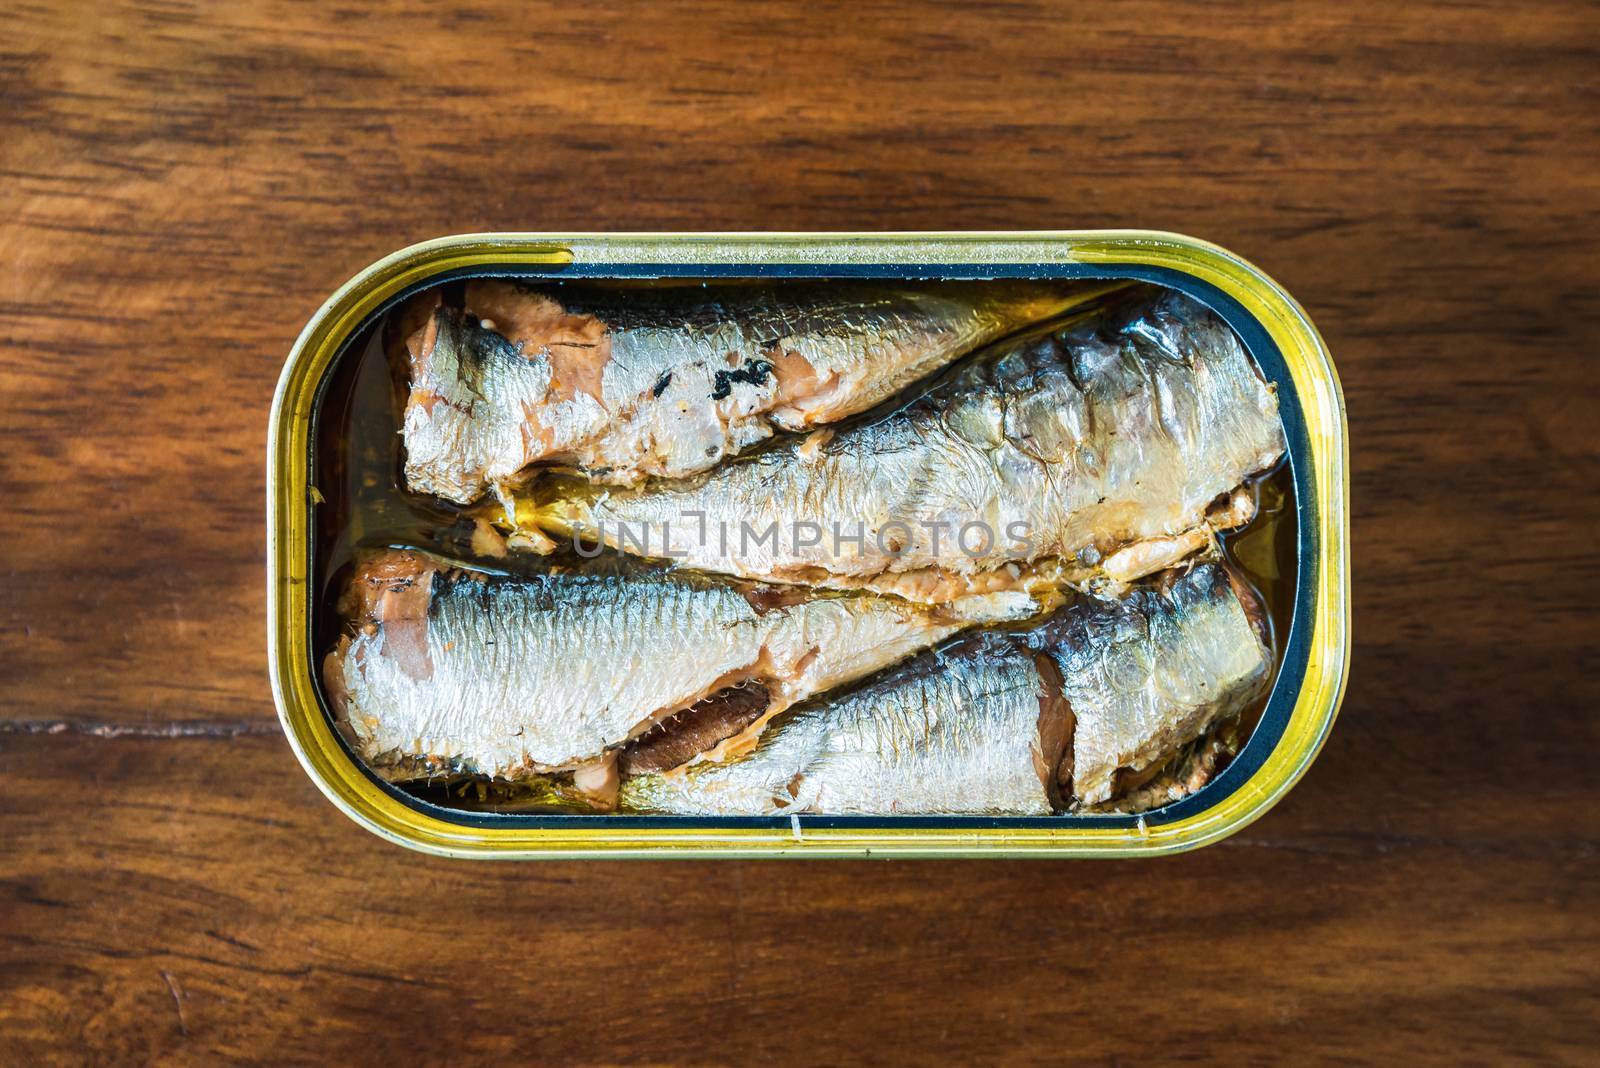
[(1294, 723)]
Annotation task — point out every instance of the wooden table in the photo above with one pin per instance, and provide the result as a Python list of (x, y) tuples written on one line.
[(184, 183)]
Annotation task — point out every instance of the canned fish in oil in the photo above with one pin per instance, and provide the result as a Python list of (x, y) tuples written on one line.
[(332, 469)]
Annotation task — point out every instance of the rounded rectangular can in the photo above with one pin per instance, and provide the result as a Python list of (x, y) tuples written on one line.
[(1299, 711)]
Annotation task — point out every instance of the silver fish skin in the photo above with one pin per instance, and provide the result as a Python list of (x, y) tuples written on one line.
[(625, 384), (451, 671), (982, 726), (1093, 453)]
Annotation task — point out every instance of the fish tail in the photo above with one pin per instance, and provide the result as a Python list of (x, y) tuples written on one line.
[(1050, 301), (546, 515)]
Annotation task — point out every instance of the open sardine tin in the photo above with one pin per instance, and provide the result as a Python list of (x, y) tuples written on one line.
[(1299, 710)]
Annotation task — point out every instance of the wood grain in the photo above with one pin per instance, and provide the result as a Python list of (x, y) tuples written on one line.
[(184, 183)]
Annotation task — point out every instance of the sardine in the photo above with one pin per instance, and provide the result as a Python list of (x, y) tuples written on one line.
[(1001, 723), (1148, 673), (628, 383), (449, 671), (1089, 455)]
